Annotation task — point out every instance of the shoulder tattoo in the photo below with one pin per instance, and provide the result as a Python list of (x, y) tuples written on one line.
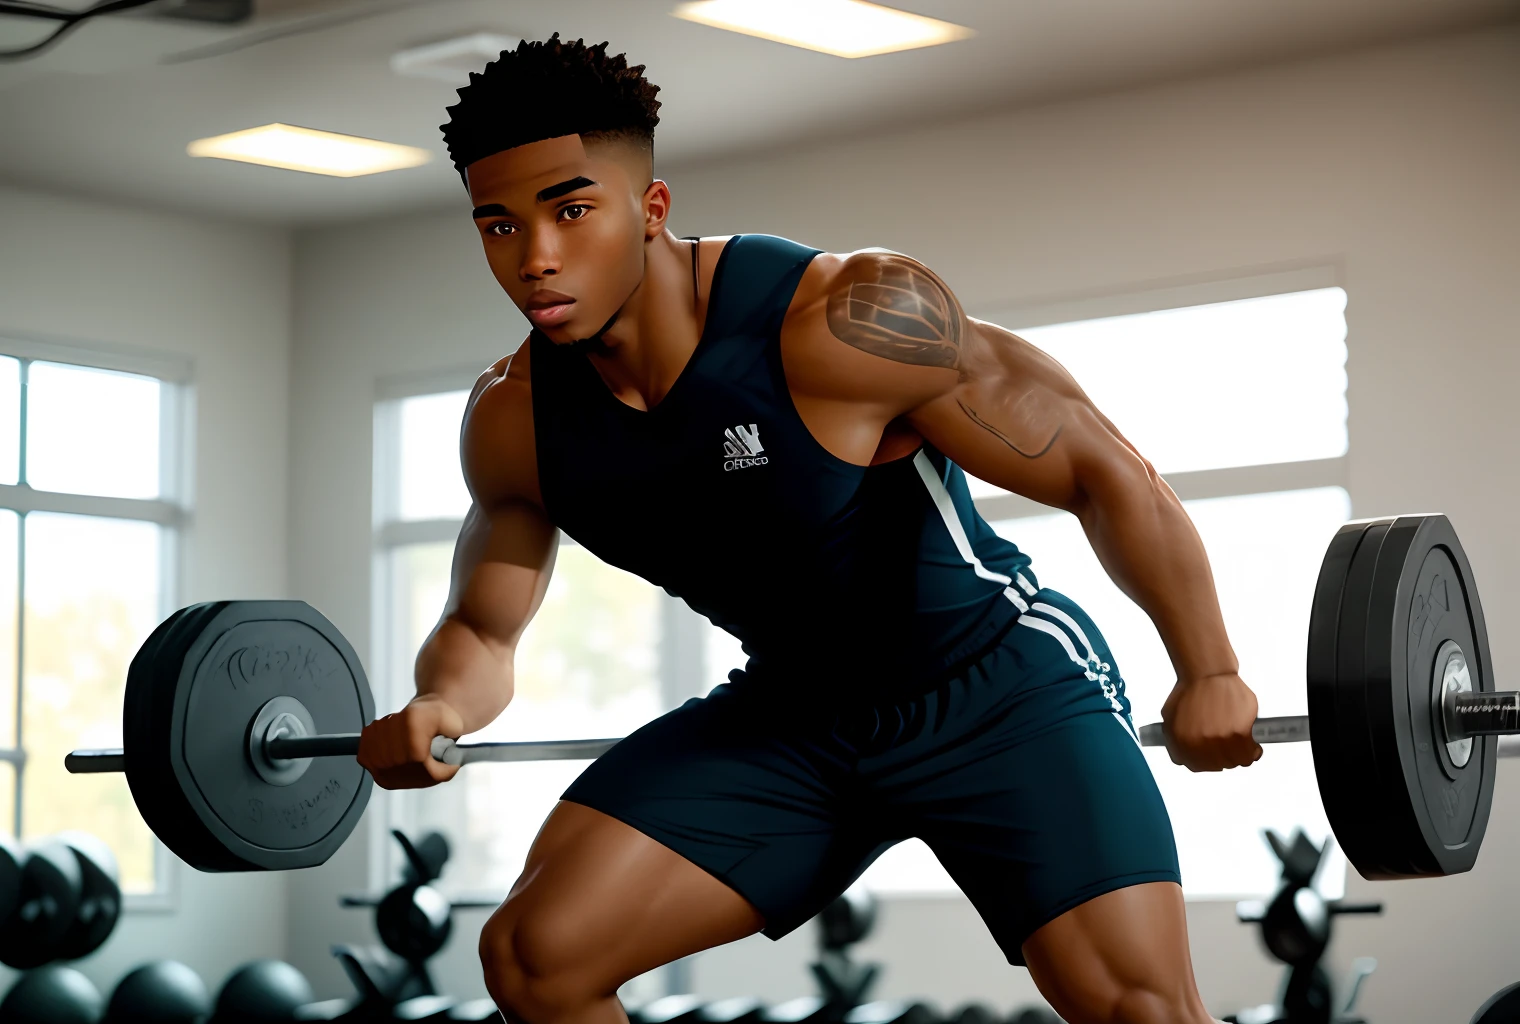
[(891, 306)]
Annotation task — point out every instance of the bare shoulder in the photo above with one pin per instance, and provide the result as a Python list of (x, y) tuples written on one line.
[(497, 441), (874, 325), (893, 306)]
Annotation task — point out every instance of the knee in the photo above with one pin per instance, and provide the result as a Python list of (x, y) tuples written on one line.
[(529, 968)]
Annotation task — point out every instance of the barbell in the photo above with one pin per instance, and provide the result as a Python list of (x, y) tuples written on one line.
[(231, 706)]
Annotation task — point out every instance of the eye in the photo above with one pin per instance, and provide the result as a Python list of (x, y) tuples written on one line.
[(504, 227), (584, 209)]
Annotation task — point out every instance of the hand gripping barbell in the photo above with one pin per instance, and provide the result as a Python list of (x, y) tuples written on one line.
[(230, 704)]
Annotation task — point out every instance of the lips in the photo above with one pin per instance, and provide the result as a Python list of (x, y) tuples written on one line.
[(549, 314), (547, 307)]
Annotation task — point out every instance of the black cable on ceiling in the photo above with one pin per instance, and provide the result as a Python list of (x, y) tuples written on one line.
[(68, 19)]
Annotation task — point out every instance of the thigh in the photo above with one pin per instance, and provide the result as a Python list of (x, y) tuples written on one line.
[(728, 784), (599, 902), (1035, 829), (1032, 789), (1120, 956)]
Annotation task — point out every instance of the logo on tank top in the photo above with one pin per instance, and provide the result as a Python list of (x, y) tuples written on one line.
[(742, 448)]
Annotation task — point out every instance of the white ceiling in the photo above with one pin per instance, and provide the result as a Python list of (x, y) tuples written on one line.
[(108, 112)]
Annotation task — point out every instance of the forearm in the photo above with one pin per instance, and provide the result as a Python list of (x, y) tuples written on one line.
[(466, 671), (1149, 547)]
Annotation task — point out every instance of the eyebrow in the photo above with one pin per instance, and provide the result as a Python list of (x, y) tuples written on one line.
[(563, 188), (544, 195)]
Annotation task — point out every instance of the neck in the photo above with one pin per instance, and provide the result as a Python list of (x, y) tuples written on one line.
[(656, 330)]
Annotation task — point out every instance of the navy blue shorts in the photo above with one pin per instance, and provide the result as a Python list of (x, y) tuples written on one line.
[(1021, 773)]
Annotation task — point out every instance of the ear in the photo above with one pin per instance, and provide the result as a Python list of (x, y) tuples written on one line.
[(656, 208)]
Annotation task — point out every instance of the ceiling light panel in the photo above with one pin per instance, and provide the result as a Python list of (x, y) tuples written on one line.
[(452, 60), (844, 28), (305, 149)]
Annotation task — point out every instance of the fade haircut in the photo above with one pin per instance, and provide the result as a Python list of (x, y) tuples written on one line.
[(546, 89)]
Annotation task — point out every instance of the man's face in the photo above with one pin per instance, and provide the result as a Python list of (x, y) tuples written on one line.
[(564, 227)]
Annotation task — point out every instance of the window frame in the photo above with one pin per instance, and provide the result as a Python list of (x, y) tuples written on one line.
[(171, 512)]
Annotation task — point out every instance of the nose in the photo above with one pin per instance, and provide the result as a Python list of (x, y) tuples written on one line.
[(540, 257)]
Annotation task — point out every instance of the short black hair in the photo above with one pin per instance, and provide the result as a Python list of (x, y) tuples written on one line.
[(545, 89)]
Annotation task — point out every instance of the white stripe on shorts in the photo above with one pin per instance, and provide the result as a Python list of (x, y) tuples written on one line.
[(1046, 626), (1033, 621), (1070, 623)]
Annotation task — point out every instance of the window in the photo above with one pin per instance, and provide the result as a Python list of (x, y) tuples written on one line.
[(89, 529), (1242, 406), (592, 663)]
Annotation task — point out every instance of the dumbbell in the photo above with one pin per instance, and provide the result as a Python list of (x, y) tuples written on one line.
[(50, 887), (892, 1011), (52, 995), (159, 992), (261, 992), (974, 1013), (734, 1010), (99, 906), (1034, 1015)]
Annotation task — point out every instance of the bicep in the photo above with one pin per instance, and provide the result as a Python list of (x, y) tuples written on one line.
[(505, 552), (1018, 420), (502, 564)]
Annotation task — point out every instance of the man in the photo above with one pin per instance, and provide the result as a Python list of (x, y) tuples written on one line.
[(776, 435)]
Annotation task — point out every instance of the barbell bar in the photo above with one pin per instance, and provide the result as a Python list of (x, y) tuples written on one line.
[(86, 762), (1465, 715), (1287, 729), (1487, 714), (241, 718)]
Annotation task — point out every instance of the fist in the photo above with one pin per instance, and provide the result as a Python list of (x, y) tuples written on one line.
[(395, 749), (1207, 723)]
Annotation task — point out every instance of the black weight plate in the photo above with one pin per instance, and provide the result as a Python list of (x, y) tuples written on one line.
[(1343, 758), (1503, 1007), (270, 649), (152, 679), (292, 652), (1370, 756), (188, 709), (1424, 596), (1340, 799), (1481, 769), (1406, 693)]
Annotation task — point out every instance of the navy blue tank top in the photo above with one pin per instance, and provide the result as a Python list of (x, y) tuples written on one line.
[(839, 580)]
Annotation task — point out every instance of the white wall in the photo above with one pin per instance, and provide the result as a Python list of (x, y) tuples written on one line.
[(218, 295), (1398, 167)]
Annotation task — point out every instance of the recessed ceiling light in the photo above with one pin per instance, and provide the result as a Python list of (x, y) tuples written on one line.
[(845, 28), (452, 60), (305, 149)]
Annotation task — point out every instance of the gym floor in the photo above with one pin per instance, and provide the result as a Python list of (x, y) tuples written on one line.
[(1376, 154)]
